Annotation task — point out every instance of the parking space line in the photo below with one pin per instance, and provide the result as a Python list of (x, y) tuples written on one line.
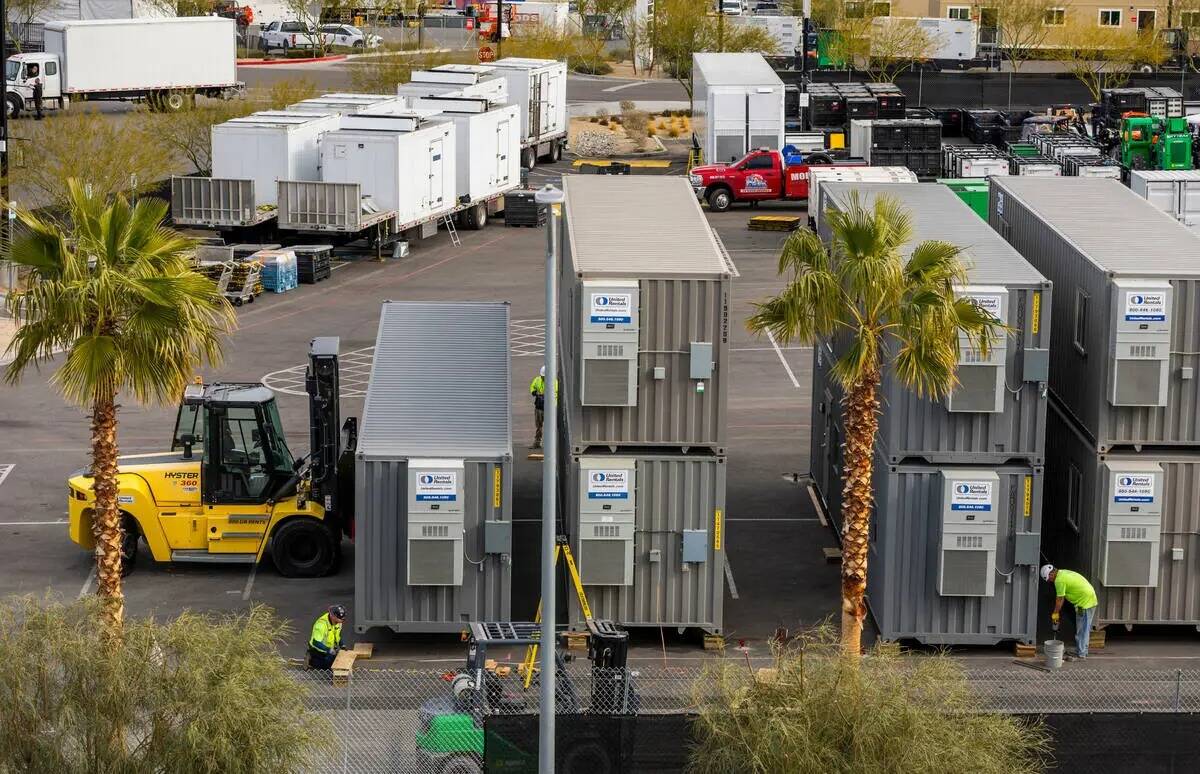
[(30, 523), (87, 584), (249, 582), (5, 470), (783, 360)]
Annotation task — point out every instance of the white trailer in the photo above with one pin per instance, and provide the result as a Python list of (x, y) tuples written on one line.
[(166, 62), (737, 105), (347, 103), (488, 156), (468, 80), (949, 44), (539, 88), (786, 31)]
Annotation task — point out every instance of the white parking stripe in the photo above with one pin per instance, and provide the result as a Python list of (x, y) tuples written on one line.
[(783, 360), (87, 584), (30, 523), (249, 582), (5, 470)]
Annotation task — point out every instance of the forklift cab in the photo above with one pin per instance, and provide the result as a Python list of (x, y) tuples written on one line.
[(243, 450)]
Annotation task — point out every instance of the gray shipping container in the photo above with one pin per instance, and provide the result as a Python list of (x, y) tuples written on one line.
[(998, 412), (1174, 191), (433, 470), (1129, 522), (649, 535), (645, 292), (1126, 280), (953, 552)]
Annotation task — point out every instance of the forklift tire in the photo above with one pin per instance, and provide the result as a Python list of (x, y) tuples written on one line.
[(462, 764), (129, 544), (719, 199), (304, 548), (12, 105)]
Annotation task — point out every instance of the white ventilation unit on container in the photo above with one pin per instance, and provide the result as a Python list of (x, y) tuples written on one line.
[(1133, 523), (967, 547), (435, 522), (608, 343), (1140, 343), (981, 377), (607, 509)]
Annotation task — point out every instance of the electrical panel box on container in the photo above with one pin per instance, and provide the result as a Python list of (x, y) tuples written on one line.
[(435, 522), (1133, 523), (1140, 343), (982, 377), (608, 343), (607, 512), (967, 546)]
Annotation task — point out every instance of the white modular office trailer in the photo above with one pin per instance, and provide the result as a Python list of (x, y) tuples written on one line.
[(347, 103), (404, 162), (737, 105), (486, 137), (539, 89), (465, 79), (268, 147)]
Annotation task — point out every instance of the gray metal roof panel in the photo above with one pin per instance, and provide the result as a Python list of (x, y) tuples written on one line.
[(1115, 228), (635, 227), (745, 70), (440, 382), (938, 213)]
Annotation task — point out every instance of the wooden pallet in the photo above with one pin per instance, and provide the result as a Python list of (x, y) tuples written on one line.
[(774, 223), (1097, 639), (714, 642), (364, 650), (577, 640), (1024, 650), (832, 555), (343, 665)]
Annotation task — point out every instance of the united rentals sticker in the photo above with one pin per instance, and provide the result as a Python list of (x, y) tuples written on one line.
[(437, 487), (971, 496), (612, 308), (988, 303), (1145, 307), (1134, 488), (608, 485)]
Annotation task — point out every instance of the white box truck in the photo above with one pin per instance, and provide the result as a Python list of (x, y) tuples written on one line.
[(405, 163), (539, 88), (737, 106), (164, 62)]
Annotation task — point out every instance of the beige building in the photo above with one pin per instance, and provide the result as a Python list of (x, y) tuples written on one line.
[(1106, 13)]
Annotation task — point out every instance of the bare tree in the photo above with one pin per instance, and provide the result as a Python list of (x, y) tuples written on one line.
[(22, 13), (895, 45), (1022, 29)]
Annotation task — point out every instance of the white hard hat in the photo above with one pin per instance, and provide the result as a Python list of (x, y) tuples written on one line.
[(1046, 570), (543, 371)]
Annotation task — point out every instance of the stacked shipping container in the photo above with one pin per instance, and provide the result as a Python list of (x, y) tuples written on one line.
[(954, 546), (645, 291), (1124, 430)]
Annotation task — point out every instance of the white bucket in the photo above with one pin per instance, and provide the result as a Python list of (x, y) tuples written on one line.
[(1054, 650)]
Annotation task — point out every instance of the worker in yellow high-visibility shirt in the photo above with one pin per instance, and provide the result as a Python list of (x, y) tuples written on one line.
[(1070, 586), (326, 638), (537, 388)]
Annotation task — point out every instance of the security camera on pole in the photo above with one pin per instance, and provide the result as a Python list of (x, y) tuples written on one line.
[(551, 198)]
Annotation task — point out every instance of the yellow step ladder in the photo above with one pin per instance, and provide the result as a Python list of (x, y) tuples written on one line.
[(564, 549)]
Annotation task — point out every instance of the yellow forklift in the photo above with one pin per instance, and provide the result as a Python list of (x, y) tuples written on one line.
[(229, 487)]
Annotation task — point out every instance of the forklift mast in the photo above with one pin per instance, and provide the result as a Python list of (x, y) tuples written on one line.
[(321, 383)]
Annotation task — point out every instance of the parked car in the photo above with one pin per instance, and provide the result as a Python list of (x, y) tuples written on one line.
[(348, 37), (287, 34)]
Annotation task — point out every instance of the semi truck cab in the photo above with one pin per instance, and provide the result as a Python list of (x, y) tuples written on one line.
[(21, 70)]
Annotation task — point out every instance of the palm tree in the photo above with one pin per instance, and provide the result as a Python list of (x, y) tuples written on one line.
[(116, 293), (885, 313)]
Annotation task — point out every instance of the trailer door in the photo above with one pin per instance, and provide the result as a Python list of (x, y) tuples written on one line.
[(503, 138), (436, 184)]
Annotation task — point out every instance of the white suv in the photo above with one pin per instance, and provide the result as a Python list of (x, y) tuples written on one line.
[(288, 34), (348, 37)]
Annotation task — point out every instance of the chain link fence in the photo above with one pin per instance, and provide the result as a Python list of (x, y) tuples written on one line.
[(431, 722)]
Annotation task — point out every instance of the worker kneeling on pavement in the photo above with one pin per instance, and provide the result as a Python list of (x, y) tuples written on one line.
[(1074, 588), (326, 639)]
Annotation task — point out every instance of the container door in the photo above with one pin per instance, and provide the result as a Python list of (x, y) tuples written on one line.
[(1162, 194), (537, 90), (1189, 202), (551, 107), (436, 184), (765, 119), (503, 138), (729, 126), (545, 103)]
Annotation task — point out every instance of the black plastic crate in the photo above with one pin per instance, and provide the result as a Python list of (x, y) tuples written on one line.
[(862, 107), (952, 121)]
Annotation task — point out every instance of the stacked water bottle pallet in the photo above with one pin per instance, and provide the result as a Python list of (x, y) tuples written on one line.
[(279, 273)]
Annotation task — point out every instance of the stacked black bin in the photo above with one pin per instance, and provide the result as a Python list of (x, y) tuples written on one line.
[(834, 105), (312, 263), (521, 209), (912, 143)]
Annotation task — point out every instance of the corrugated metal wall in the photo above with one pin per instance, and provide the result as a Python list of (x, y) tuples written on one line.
[(669, 412), (902, 579), (674, 493), (1176, 598), (382, 596), (1079, 380)]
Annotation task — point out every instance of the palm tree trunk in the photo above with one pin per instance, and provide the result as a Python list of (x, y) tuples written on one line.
[(106, 523), (862, 421)]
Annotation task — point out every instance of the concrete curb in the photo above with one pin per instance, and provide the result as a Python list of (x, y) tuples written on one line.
[(273, 62)]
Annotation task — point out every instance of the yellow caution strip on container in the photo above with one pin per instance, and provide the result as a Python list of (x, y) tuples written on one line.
[(1037, 313), (637, 163), (717, 530), (1028, 496), (496, 489)]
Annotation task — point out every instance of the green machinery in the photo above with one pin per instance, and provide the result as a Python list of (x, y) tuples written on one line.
[(972, 190), (1153, 142), (451, 739)]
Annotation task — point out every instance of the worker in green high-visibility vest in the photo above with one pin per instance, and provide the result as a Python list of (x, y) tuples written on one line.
[(537, 388), (1070, 586)]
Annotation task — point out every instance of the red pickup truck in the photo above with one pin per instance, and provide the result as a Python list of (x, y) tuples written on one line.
[(762, 175)]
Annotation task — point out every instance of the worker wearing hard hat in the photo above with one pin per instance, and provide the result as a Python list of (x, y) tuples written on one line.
[(326, 638), (1074, 588), (537, 388)]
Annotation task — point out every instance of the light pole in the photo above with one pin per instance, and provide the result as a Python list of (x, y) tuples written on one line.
[(552, 198)]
